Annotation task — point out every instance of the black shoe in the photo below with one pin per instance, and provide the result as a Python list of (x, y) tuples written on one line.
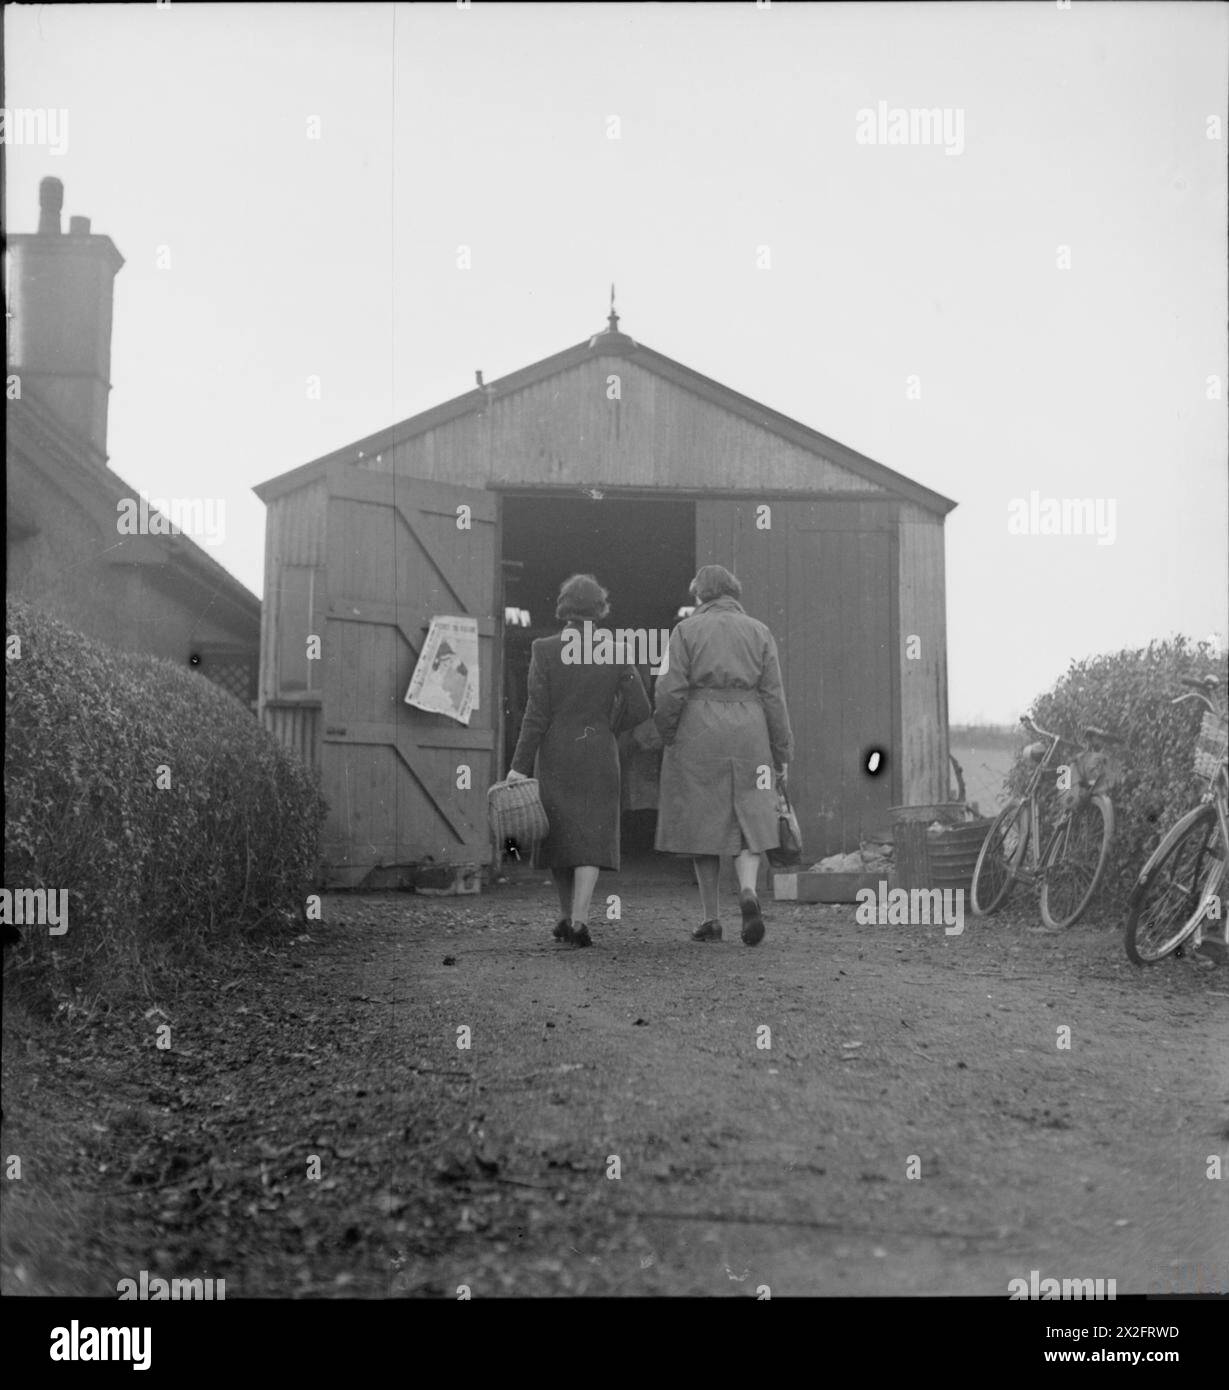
[(581, 937), (707, 931), (563, 930), (753, 922)]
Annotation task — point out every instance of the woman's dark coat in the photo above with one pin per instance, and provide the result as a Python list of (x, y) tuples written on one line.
[(567, 727), (720, 709)]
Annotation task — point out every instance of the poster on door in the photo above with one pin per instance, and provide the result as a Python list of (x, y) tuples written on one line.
[(445, 680)]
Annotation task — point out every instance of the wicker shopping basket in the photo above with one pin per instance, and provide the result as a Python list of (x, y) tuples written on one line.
[(517, 812), (1211, 745)]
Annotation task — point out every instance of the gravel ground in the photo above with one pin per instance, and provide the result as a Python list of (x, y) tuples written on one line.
[(617, 1124)]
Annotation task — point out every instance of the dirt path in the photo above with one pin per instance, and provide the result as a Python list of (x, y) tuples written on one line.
[(739, 1165)]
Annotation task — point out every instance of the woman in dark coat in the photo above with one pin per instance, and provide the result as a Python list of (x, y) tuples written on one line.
[(720, 710), (567, 725)]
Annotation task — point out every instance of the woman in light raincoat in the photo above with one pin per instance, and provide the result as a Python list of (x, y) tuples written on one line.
[(720, 710)]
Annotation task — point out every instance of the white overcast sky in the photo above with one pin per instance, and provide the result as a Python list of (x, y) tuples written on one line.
[(1084, 127)]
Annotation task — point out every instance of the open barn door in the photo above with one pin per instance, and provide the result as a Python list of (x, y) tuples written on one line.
[(397, 557), (820, 574)]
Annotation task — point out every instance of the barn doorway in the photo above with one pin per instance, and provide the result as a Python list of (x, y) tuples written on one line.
[(643, 550)]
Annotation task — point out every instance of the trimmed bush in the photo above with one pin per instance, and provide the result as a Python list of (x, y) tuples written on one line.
[(230, 839), (1130, 693)]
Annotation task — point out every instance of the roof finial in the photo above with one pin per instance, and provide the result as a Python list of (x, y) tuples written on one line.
[(613, 320)]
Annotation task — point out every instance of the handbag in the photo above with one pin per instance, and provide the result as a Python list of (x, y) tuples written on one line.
[(622, 716), (788, 853)]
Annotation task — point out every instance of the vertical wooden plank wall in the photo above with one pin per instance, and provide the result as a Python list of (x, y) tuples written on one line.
[(296, 727), (840, 626), (822, 579), (566, 432), (923, 696), (294, 535)]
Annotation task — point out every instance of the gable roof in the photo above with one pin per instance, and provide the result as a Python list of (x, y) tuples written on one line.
[(610, 343), (58, 451)]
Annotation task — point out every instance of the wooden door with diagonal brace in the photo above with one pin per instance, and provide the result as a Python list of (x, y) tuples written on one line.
[(400, 551)]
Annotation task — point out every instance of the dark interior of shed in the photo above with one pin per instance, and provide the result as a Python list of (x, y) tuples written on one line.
[(642, 551)]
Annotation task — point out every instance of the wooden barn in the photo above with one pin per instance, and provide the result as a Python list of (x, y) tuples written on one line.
[(612, 459)]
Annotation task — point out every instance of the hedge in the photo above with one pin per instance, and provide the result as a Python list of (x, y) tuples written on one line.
[(1130, 693), (230, 840)]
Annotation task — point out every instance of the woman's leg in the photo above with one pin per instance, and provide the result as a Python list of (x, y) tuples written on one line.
[(747, 864), (747, 867), (563, 886), (584, 880), (708, 874)]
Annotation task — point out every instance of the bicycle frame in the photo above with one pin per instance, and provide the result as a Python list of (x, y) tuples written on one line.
[(1207, 879), (1045, 855), (1028, 869), (1217, 793)]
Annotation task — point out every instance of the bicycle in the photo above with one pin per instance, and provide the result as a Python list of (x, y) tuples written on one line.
[(1183, 874), (1070, 870)]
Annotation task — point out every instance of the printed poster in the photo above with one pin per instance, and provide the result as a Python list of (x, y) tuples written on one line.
[(445, 681)]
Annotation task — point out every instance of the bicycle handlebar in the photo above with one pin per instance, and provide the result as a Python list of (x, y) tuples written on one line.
[(1056, 739), (1202, 690), (1034, 728)]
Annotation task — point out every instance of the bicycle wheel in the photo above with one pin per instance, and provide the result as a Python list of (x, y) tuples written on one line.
[(1001, 854), (1173, 887), (1075, 860)]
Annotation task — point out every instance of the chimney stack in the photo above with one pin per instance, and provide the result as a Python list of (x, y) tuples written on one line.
[(50, 202), (60, 297)]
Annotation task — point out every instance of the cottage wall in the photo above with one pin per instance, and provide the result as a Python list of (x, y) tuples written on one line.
[(157, 594), (66, 558)]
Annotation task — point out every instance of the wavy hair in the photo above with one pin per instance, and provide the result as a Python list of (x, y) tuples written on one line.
[(581, 597), (714, 581)]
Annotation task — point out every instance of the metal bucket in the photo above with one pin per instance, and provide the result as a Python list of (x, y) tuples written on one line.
[(910, 856), (952, 853), (949, 812)]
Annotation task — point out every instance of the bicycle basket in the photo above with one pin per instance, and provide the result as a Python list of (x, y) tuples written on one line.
[(1211, 744)]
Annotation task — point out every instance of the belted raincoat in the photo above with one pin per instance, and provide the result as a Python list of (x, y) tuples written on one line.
[(720, 710)]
